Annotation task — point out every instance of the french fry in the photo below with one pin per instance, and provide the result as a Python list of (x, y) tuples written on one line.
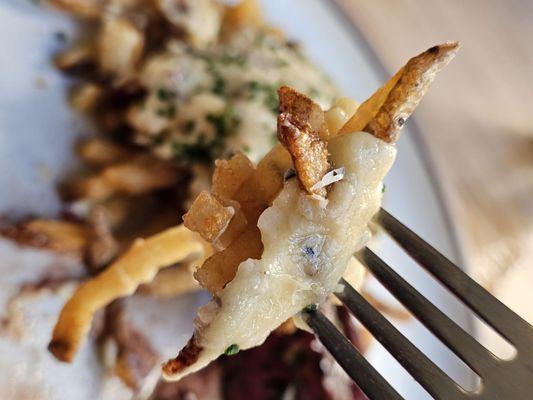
[(244, 13), (301, 125), (303, 109), (56, 235), (135, 177), (386, 111), (137, 266), (102, 247), (221, 267), (75, 58), (268, 177), (99, 152), (119, 47), (230, 175), (309, 153), (208, 217), (85, 97), (173, 281)]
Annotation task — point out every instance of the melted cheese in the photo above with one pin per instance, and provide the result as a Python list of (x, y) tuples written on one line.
[(238, 79), (306, 250)]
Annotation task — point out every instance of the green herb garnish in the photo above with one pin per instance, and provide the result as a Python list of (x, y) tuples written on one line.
[(232, 350), (269, 94), (310, 308), (383, 188), (237, 59), (165, 94), (189, 126), (168, 112), (224, 123)]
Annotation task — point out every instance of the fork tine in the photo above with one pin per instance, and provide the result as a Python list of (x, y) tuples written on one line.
[(452, 335), (490, 309), (421, 368), (350, 359)]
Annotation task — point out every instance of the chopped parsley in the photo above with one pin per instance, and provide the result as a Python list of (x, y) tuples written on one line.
[(186, 152), (167, 112), (282, 63), (189, 126), (232, 350), (383, 188), (165, 94), (246, 149), (219, 83), (310, 308), (237, 59), (269, 94), (224, 123), (313, 92)]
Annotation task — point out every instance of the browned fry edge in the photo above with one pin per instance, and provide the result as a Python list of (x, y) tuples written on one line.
[(413, 84)]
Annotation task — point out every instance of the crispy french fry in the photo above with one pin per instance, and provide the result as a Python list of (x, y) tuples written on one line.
[(100, 151), (60, 236), (253, 194), (120, 46), (244, 13), (86, 97), (75, 58), (268, 177), (309, 153), (230, 174), (173, 281), (103, 246), (139, 176), (137, 266), (220, 268), (301, 125), (303, 109), (386, 111), (208, 217)]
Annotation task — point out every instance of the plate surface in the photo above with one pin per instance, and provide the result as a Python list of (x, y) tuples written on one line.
[(38, 130)]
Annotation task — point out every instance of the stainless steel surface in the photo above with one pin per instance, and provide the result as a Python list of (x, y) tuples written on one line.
[(499, 379)]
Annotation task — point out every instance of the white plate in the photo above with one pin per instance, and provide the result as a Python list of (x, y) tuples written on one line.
[(37, 131)]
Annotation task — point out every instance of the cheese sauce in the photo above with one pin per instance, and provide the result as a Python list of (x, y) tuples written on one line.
[(204, 104)]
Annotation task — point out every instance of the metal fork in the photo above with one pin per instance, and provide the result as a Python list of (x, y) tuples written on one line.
[(500, 379)]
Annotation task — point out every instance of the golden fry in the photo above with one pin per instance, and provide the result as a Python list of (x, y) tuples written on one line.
[(386, 111), (309, 153), (75, 58), (208, 217), (86, 97), (100, 151), (303, 110), (301, 125), (221, 267), (120, 46), (139, 176), (230, 174), (137, 266), (173, 281), (56, 235), (244, 13)]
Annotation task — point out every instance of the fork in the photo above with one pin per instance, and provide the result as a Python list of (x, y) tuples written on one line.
[(500, 379)]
